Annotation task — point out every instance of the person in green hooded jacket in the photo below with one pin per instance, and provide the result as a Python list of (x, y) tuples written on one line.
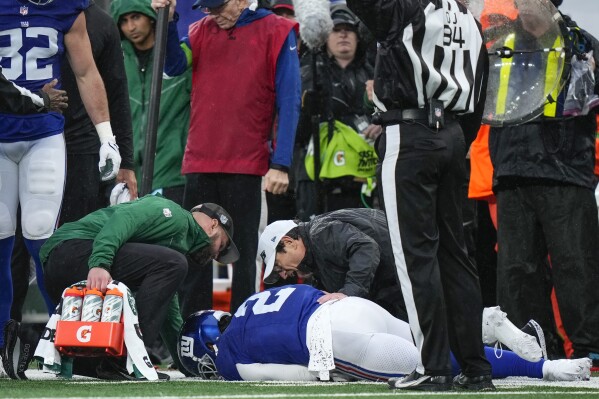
[(142, 243), (137, 22)]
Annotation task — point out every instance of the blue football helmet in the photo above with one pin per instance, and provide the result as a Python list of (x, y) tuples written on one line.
[(197, 342)]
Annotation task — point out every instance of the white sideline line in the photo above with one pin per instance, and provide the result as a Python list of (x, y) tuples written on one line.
[(337, 395)]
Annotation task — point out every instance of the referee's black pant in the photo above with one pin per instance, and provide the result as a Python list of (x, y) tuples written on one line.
[(421, 176), (152, 271)]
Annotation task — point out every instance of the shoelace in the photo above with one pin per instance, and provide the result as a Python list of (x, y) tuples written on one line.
[(498, 346), (541, 337)]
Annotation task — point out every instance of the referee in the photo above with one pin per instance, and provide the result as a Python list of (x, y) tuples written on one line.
[(430, 80)]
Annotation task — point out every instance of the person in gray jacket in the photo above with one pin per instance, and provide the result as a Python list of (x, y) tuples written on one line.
[(345, 253)]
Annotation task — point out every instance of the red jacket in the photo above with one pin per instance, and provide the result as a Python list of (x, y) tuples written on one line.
[(233, 95)]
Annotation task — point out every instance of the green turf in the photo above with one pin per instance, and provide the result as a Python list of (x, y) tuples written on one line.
[(223, 390)]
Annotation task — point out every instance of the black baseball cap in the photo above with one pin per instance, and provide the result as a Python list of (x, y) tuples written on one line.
[(342, 15), (230, 254)]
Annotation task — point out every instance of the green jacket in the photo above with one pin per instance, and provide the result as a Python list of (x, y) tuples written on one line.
[(149, 220), (174, 107)]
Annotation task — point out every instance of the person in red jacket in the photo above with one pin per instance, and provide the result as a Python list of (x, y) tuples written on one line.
[(245, 69)]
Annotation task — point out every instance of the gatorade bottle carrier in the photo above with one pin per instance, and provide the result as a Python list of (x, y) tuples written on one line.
[(90, 338)]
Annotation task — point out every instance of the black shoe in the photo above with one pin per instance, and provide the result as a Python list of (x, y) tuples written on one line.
[(479, 383), (15, 356), (533, 328), (110, 369), (419, 382)]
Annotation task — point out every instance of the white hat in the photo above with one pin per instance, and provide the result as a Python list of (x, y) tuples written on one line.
[(269, 239)]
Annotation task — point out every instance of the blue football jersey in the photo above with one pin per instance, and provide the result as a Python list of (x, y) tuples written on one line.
[(269, 327), (31, 49)]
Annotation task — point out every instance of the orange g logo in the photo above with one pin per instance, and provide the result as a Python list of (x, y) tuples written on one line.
[(84, 334)]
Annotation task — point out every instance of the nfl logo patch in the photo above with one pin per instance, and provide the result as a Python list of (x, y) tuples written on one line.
[(223, 219), (167, 212), (24, 10)]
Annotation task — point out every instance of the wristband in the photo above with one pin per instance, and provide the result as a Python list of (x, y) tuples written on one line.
[(105, 132)]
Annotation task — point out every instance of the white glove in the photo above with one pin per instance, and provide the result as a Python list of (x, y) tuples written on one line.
[(110, 158), (119, 194)]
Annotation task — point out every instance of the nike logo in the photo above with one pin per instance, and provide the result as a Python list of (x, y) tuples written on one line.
[(292, 48)]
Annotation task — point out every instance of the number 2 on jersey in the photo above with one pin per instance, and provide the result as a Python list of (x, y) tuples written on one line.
[(260, 306)]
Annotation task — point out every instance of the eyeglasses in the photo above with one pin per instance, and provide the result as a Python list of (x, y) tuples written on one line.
[(215, 10)]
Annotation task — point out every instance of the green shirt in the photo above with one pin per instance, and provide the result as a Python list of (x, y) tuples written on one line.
[(149, 220)]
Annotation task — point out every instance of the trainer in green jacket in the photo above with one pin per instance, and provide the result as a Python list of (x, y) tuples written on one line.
[(143, 244), (136, 21)]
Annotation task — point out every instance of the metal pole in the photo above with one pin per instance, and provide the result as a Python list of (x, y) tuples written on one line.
[(147, 173), (315, 131)]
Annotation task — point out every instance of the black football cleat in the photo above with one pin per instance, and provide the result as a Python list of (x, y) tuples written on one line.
[(419, 382), (533, 328), (481, 383), (15, 356)]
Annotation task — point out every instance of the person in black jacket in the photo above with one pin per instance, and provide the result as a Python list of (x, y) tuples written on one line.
[(544, 182), (345, 252), (342, 71), (430, 87), (15, 99)]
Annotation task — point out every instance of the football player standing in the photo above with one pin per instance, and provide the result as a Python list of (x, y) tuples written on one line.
[(34, 35)]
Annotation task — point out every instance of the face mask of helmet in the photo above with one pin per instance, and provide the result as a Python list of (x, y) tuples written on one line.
[(207, 368), (197, 342)]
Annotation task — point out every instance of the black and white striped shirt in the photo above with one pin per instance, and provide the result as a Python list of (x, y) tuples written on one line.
[(427, 49)]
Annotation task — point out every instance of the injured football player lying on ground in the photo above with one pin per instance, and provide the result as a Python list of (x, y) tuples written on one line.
[(285, 334)]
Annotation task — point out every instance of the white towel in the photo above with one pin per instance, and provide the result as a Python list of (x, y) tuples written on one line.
[(137, 356), (136, 351), (46, 351), (319, 339)]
